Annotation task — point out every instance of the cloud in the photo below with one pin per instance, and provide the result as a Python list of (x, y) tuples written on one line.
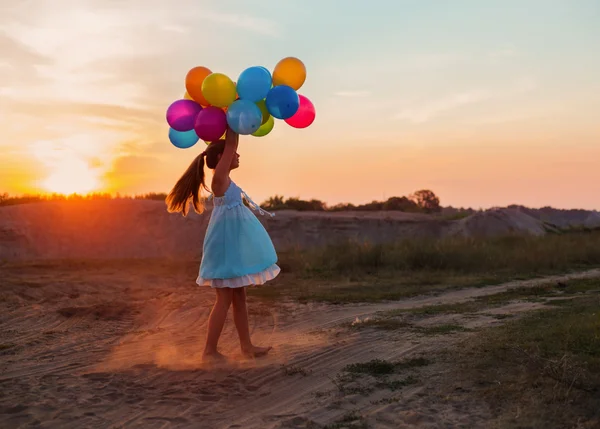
[(256, 25), (502, 53), (428, 111), (431, 109), (353, 93)]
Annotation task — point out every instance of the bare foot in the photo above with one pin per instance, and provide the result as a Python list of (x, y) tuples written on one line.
[(213, 357), (256, 351)]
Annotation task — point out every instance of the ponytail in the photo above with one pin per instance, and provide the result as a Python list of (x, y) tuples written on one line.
[(188, 187)]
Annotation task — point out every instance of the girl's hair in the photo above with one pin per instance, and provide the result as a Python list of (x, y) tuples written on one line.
[(190, 183)]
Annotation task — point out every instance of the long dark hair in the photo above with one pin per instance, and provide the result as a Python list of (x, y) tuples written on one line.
[(191, 182)]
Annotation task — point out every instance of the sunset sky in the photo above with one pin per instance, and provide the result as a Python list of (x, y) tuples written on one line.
[(487, 103)]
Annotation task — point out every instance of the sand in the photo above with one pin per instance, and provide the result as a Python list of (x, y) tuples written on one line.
[(115, 347), (143, 229)]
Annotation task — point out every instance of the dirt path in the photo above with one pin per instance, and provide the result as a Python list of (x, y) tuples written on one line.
[(135, 361)]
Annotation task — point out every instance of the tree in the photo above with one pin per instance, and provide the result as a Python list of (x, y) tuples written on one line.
[(402, 204), (427, 201)]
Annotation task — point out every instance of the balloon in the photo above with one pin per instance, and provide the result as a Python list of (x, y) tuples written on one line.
[(265, 128), (183, 139), (254, 83), (282, 102), (244, 117), (220, 138), (193, 84), (262, 105), (218, 90), (305, 114), (181, 114), (211, 123), (187, 96), (289, 71)]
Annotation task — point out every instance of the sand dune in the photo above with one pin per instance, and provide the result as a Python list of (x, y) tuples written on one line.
[(143, 229)]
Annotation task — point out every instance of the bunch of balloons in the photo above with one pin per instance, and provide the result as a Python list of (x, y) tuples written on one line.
[(249, 107)]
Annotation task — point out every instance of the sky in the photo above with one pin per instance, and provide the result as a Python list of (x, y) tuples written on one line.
[(487, 103)]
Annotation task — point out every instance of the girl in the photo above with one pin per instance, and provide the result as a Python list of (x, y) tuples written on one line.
[(237, 250)]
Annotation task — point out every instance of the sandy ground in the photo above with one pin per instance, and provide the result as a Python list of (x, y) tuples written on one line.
[(99, 348), (89, 229)]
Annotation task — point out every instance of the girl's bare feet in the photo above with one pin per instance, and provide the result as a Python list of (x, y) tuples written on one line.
[(213, 357), (255, 351)]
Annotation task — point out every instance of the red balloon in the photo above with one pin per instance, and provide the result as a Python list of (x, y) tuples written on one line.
[(305, 114), (210, 124)]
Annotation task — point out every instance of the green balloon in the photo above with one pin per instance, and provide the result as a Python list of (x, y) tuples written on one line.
[(265, 128), (262, 105)]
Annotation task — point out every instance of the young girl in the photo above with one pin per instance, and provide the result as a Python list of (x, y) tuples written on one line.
[(237, 250)]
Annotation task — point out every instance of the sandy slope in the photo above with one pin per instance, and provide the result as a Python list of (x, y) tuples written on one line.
[(144, 229), (125, 352)]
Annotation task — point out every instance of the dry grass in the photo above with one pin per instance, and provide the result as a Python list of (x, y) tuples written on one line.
[(355, 272), (542, 370)]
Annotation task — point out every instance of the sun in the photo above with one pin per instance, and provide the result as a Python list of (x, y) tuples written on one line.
[(72, 176)]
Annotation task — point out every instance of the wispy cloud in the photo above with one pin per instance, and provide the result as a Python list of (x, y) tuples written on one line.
[(256, 25), (502, 53), (433, 108), (429, 110), (353, 93)]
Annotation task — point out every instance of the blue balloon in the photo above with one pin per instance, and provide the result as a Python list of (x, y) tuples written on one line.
[(183, 139), (282, 101), (254, 84), (244, 117)]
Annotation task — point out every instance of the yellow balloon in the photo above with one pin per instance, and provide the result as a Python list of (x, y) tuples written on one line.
[(262, 105), (218, 90), (221, 138), (187, 96), (265, 128), (289, 71)]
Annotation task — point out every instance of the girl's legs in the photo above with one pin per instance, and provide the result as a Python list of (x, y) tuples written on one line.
[(216, 321), (240, 317)]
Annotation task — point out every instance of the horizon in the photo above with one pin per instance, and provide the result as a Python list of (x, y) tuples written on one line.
[(487, 105), (90, 196)]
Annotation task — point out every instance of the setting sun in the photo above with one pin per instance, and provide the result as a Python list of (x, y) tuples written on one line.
[(72, 176)]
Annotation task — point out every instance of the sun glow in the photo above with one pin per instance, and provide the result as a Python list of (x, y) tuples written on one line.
[(70, 176)]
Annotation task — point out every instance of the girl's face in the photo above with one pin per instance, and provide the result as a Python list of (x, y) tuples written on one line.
[(235, 162)]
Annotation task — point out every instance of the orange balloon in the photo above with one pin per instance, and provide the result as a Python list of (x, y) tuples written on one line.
[(193, 84), (289, 71)]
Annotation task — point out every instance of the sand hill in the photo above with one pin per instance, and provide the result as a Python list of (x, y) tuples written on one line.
[(143, 229)]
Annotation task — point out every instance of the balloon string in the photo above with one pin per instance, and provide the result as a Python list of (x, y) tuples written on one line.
[(255, 206)]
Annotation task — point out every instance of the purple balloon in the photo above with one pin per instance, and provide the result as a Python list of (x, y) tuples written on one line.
[(211, 123), (181, 114)]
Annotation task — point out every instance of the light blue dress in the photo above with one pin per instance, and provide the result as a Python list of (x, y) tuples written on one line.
[(237, 249)]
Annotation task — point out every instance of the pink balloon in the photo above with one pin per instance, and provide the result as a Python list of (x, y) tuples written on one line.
[(181, 114), (305, 114), (211, 123)]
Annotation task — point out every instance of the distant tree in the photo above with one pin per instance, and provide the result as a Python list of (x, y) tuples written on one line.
[(402, 204), (152, 196), (427, 201), (4, 198), (341, 207), (274, 203), (373, 206)]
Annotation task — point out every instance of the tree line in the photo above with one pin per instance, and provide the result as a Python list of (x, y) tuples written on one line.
[(422, 201)]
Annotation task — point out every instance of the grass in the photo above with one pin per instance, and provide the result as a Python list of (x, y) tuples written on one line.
[(441, 329), (375, 367), (542, 370), (351, 420), (363, 378), (569, 289), (359, 272)]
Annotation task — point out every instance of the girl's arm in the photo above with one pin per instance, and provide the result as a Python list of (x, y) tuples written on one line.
[(220, 181)]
